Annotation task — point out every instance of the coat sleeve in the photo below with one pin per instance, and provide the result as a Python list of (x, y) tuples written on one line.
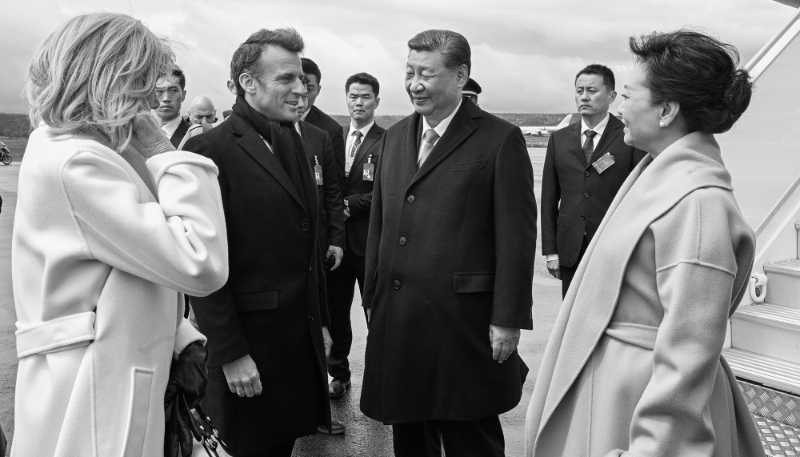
[(514, 233), (332, 197), (695, 258), (337, 141), (374, 234), (216, 313), (551, 195), (178, 242)]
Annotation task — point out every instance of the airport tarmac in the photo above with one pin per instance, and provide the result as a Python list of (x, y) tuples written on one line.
[(364, 437)]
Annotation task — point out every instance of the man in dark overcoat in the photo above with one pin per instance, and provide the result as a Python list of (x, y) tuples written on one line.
[(266, 327), (449, 264)]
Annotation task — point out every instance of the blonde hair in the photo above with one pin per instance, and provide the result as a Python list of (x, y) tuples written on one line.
[(94, 74)]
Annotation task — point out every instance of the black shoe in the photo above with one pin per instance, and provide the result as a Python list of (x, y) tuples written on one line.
[(337, 428), (337, 388)]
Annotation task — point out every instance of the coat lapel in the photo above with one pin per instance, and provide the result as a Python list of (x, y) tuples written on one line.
[(648, 193), (372, 136), (460, 128), (575, 142), (612, 131), (254, 145), (408, 146)]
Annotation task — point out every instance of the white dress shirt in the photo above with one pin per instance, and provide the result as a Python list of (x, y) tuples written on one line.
[(439, 129), (599, 129), (351, 139), (170, 127)]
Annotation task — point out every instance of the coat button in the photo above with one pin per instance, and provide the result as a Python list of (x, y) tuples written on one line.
[(396, 284), (583, 218), (403, 241), (587, 173), (310, 318), (410, 198), (586, 195), (304, 226)]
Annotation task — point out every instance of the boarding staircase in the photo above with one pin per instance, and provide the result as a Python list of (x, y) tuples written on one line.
[(762, 152)]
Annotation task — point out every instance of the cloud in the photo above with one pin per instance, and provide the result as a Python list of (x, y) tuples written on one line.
[(525, 52)]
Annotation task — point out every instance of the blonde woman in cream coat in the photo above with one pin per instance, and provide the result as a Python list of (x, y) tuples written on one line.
[(111, 225), (634, 367)]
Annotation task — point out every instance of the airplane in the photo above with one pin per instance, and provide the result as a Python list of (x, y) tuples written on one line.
[(546, 130)]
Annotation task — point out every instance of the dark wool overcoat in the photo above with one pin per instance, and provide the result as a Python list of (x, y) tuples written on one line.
[(272, 306), (450, 251)]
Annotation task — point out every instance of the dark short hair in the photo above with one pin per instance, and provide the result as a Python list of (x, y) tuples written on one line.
[(698, 72), (311, 68), (600, 70), (178, 73), (246, 57), (453, 46), (363, 78)]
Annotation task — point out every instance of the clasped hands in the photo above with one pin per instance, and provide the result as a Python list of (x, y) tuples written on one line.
[(243, 377)]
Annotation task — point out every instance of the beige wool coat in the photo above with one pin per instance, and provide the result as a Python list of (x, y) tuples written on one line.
[(98, 261), (634, 365)]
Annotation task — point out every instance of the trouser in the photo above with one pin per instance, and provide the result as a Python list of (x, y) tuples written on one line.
[(282, 450), (478, 438), (567, 273), (341, 286)]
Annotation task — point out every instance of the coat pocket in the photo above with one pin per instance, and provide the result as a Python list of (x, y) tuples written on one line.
[(467, 166), (141, 384), (467, 283), (258, 301)]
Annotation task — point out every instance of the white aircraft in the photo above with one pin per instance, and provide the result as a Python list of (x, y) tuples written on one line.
[(546, 130)]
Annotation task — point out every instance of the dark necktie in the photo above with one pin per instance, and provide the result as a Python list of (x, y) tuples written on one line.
[(588, 145), (356, 143)]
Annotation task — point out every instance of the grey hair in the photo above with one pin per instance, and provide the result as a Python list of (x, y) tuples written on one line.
[(94, 74), (245, 59), (453, 46)]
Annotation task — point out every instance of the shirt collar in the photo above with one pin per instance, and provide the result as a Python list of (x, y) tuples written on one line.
[(170, 127), (364, 130), (442, 127), (599, 128)]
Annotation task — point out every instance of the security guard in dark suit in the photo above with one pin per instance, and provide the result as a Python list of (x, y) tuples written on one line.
[(584, 167)]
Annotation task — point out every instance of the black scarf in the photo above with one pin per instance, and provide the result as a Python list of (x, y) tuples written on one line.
[(287, 146)]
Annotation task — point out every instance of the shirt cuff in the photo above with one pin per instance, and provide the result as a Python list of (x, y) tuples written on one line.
[(550, 257)]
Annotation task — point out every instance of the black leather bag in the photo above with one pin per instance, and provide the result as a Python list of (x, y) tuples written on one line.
[(207, 439)]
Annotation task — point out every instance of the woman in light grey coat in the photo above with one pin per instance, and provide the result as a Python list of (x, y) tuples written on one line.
[(633, 367), (103, 243)]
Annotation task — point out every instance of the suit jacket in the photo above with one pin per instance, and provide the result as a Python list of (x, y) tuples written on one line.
[(634, 359), (450, 251), (358, 192), (320, 151), (575, 197), (273, 305), (177, 137), (321, 120)]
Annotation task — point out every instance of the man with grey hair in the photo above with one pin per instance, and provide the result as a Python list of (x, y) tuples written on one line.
[(267, 327), (449, 264)]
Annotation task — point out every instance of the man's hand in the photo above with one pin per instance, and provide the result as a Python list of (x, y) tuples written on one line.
[(554, 268), (148, 139), (337, 254), (504, 341), (346, 213), (327, 341), (242, 376)]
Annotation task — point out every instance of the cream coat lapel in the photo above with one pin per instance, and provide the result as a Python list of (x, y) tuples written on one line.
[(652, 188)]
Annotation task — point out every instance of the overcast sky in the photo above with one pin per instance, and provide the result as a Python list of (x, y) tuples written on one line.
[(525, 53)]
